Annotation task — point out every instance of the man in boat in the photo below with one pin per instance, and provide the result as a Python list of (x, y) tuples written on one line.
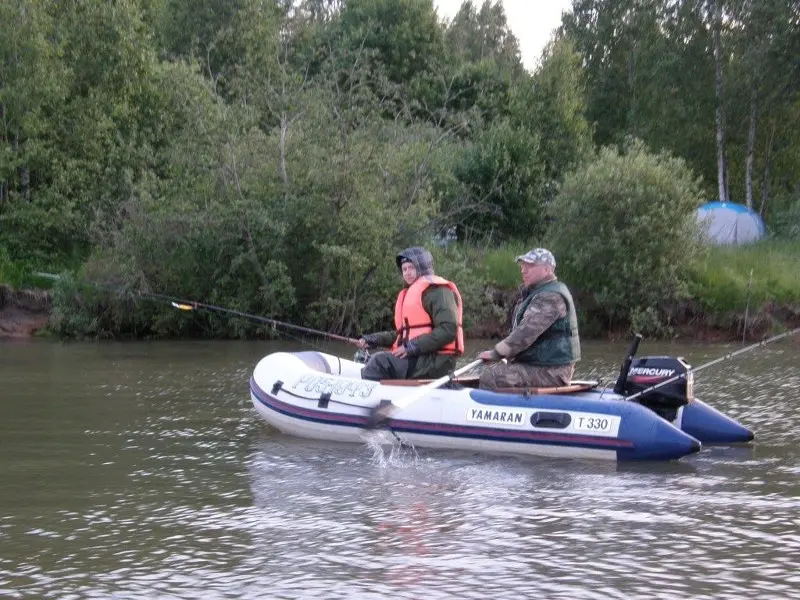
[(543, 346), (428, 336)]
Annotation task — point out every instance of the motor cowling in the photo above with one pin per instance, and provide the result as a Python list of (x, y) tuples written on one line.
[(649, 371)]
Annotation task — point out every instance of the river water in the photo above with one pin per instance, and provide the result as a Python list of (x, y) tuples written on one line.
[(140, 470)]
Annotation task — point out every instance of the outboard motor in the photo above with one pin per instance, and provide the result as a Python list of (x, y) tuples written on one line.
[(649, 371)]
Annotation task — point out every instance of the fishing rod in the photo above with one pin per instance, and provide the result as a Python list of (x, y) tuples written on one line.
[(191, 305), (714, 362)]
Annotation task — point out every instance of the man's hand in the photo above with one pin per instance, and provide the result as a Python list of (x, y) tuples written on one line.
[(407, 350), (489, 355), (366, 341)]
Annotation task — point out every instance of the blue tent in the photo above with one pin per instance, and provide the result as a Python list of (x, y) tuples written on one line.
[(727, 223)]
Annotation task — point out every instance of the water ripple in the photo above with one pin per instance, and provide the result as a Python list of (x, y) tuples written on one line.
[(155, 479)]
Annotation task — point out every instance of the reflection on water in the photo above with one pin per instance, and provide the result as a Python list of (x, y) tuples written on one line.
[(141, 471)]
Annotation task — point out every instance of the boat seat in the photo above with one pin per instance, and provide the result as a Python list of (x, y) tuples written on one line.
[(573, 387), (472, 381), (467, 381)]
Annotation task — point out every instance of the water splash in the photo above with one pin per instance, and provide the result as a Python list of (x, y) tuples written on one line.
[(389, 450)]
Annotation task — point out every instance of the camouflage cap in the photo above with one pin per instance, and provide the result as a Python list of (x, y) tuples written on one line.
[(538, 256)]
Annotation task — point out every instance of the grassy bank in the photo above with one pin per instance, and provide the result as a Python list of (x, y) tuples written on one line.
[(727, 279), (720, 280), (20, 274)]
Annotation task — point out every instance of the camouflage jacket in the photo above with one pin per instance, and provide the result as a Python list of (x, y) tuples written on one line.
[(543, 311)]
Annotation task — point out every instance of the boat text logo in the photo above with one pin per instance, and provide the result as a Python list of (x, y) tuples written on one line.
[(504, 417), (337, 387), (651, 372)]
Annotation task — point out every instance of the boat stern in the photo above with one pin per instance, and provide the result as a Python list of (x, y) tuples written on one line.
[(657, 439), (710, 426)]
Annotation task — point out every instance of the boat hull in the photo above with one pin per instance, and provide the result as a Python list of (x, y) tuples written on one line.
[(319, 396)]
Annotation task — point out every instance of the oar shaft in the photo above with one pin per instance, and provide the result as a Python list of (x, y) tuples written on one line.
[(421, 391), (714, 362)]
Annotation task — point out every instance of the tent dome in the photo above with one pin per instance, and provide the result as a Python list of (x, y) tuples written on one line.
[(728, 223)]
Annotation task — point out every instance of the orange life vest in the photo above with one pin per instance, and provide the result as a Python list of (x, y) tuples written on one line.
[(411, 320)]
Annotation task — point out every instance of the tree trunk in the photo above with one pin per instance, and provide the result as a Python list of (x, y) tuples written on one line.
[(3, 184), (25, 183), (767, 167), (719, 113), (282, 158), (751, 148)]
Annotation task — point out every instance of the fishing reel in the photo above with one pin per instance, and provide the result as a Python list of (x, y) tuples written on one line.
[(361, 356)]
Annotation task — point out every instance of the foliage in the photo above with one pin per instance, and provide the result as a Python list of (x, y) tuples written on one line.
[(516, 163), (404, 33), (466, 266), (273, 157), (13, 273), (785, 220), (475, 35), (503, 177), (649, 71), (553, 106), (624, 232)]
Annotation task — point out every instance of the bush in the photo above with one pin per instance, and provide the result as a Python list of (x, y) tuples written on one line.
[(202, 257), (468, 267), (624, 234)]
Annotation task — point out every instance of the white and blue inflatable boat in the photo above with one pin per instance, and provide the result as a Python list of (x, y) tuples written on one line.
[(321, 396)]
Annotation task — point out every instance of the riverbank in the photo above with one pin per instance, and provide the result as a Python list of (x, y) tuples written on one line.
[(25, 313), (727, 294), (689, 320)]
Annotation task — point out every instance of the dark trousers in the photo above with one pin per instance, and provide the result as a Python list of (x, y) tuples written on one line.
[(385, 365)]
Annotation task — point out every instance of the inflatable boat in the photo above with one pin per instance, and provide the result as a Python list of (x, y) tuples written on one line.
[(321, 396)]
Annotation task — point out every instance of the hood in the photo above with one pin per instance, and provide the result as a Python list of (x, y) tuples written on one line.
[(420, 258)]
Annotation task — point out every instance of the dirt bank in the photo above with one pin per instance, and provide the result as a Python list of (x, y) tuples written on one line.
[(24, 312)]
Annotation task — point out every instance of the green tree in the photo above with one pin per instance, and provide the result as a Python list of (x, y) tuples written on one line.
[(198, 29), (502, 176), (484, 65), (649, 74), (553, 107), (33, 85), (476, 35), (404, 34)]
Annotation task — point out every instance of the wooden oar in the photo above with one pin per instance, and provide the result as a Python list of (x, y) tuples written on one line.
[(381, 412)]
